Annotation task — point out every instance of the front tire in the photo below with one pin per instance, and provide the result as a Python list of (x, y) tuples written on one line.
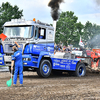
[(45, 69), (80, 70)]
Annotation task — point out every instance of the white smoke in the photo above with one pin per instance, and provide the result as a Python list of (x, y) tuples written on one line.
[(94, 42), (98, 2)]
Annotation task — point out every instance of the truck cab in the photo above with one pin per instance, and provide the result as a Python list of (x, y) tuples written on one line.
[(35, 39)]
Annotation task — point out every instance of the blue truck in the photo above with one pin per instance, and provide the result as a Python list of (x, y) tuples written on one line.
[(37, 43)]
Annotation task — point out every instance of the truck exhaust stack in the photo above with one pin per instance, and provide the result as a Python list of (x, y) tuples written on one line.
[(54, 25), (54, 4)]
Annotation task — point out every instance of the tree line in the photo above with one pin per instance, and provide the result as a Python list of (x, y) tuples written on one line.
[(8, 12), (68, 30)]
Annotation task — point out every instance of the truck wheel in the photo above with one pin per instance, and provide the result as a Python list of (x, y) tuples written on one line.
[(44, 69), (80, 70)]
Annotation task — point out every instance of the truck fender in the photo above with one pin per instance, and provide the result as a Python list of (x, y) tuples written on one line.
[(39, 60), (43, 57)]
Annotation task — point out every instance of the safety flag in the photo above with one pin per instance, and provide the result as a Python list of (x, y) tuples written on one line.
[(80, 42), (3, 36), (9, 82)]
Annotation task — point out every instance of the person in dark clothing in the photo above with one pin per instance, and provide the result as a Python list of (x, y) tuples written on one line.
[(84, 54), (40, 37)]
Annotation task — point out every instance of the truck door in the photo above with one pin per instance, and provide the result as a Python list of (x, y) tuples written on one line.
[(50, 41), (40, 39)]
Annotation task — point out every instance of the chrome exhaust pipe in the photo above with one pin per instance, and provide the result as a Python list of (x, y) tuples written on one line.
[(54, 25)]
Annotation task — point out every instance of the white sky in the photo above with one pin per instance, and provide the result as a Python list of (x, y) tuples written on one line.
[(85, 10)]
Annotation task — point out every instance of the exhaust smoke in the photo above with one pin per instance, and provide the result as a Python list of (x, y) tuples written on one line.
[(98, 2), (54, 4), (94, 42)]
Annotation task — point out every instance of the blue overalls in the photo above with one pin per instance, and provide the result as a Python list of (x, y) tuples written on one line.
[(17, 57)]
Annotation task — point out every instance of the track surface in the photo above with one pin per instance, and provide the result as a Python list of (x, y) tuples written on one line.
[(61, 87)]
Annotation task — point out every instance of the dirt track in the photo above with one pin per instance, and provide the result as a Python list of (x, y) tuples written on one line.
[(62, 87)]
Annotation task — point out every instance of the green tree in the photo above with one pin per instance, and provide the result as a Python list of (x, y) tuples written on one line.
[(68, 30), (78, 32), (91, 34), (88, 31), (8, 12)]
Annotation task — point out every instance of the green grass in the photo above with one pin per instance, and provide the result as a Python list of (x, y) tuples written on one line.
[(3, 66)]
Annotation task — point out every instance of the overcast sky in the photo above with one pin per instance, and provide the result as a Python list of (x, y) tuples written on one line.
[(85, 10)]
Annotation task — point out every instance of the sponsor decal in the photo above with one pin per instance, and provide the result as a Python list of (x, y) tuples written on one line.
[(34, 46), (64, 60), (48, 48), (73, 62), (68, 66), (57, 60), (62, 65), (17, 54), (55, 64)]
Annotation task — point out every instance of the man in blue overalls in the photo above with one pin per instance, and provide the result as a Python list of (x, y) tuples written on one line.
[(17, 61)]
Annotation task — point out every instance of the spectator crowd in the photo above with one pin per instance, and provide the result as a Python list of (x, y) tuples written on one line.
[(66, 49)]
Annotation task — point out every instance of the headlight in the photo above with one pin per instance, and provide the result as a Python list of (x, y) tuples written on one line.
[(27, 59), (0, 58)]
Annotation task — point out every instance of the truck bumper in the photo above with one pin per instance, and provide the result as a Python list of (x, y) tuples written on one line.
[(30, 61)]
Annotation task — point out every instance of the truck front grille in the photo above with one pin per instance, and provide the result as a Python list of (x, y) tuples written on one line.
[(7, 48)]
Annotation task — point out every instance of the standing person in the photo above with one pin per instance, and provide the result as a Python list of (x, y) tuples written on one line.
[(68, 49), (17, 61)]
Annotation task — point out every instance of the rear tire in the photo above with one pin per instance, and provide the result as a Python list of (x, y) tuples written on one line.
[(45, 68), (80, 70)]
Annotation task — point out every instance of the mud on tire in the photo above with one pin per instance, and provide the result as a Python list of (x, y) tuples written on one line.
[(80, 70), (45, 68)]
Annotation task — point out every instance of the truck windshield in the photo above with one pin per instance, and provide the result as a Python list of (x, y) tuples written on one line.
[(18, 31)]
